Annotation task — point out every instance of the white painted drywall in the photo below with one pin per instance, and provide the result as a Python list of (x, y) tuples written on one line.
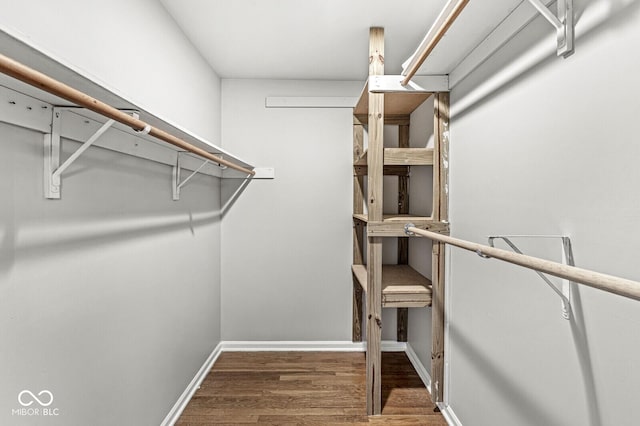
[(553, 152), (286, 243), (133, 48), (110, 297)]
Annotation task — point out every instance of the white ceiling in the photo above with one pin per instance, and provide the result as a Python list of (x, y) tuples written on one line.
[(325, 39)]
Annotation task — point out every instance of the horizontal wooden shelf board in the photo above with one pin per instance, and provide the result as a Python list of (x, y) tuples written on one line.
[(402, 157), (396, 218), (402, 103), (393, 225), (402, 286)]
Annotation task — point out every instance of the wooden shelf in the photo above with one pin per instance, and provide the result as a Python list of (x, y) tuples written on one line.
[(402, 286), (402, 157), (393, 225), (395, 103)]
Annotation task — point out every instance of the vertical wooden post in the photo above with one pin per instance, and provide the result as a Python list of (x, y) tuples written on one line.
[(374, 244), (403, 242), (440, 212), (358, 230)]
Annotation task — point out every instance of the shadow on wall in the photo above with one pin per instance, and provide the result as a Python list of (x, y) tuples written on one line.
[(511, 390), (581, 342), (508, 387), (37, 243), (522, 58), (230, 192)]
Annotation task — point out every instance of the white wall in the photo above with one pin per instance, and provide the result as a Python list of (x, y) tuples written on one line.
[(286, 243), (553, 152), (133, 48), (110, 297)]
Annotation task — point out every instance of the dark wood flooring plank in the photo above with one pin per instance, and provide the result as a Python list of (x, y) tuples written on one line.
[(307, 388)]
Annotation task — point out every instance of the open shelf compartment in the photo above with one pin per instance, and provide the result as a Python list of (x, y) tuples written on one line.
[(402, 286)]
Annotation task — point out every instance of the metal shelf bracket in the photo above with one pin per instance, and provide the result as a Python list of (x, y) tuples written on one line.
[(567, 258), (52, 168), (563, 23), (177, 171)]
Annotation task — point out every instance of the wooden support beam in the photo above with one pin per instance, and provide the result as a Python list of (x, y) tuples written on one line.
[(440, 213), (374, 246), (358, 231), (403, 243), (356, 330)]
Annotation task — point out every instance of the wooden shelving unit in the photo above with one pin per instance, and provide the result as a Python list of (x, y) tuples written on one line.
[(395, 286)]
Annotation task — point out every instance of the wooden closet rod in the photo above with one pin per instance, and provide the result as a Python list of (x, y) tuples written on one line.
[(610, 283), (41, 81), (449, 14)]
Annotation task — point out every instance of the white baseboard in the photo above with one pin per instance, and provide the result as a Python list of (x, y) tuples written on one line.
[(419, 367), (446, 410), (191, 389), (320, 346), (449, 415)]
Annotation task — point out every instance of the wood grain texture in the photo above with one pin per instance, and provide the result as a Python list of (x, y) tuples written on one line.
[(393, 226), (440, 213), (389, 119), (398, 104), (356, 329), (401, 157), (374, 245), (402, 314), (358, 232), (327, 388), (442, 156), (436, 36)]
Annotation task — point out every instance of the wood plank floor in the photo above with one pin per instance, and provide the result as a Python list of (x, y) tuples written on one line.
[(301, 388)]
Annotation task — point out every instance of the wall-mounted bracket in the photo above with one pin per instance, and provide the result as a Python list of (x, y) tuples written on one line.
[(52, 168), (567, 258), (177, 169), (563, 23)]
